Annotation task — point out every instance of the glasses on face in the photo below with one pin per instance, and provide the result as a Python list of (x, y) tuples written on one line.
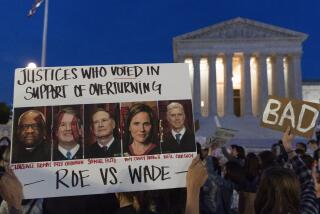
[(33, 126)]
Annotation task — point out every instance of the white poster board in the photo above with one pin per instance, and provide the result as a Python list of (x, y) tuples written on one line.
[(116, 89)]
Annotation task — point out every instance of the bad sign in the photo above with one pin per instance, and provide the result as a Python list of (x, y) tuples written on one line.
[(301, 116)]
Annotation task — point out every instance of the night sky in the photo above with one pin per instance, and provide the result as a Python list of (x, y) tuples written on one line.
[(128, 32)]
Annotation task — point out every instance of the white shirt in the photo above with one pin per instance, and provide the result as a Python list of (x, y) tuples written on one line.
[(108, 144), (183, 130), (73, 151)]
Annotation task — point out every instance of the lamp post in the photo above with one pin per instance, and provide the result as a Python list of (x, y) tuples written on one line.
[(31, 65), (44, 35)]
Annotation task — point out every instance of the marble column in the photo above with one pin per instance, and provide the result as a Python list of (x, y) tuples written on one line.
[(196, 87), (297, 79), (262, 82), (290, 78), (212, 86), (245, 92), (280, 83), (228, 88), (287, 77)]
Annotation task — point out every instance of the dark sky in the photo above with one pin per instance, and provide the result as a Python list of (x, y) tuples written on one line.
[(141, 31)]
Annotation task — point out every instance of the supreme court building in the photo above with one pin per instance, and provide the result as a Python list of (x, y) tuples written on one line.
[(234, 66)]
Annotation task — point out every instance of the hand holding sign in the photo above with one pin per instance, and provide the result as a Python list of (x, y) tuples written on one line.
[(196, 177), (287, 139), (197, 174)]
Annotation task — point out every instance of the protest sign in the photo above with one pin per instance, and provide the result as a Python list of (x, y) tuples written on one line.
[(220, 137), (301, 116), (100, 129)]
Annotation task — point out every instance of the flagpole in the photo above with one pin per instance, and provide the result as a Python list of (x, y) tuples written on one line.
[(44, 34)]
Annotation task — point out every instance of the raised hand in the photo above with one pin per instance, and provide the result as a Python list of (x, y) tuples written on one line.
[(287, 139)]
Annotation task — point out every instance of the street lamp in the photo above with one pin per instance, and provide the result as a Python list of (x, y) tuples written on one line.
[(32, 65)]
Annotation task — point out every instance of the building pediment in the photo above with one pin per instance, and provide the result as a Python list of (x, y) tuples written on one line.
[(242, 29)]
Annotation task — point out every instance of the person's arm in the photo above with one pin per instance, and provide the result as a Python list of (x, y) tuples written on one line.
[(229, 156), (196, 177), (213, 174), (308, 202), (209, 162), (11, 191), (315, 179), (226, 153)]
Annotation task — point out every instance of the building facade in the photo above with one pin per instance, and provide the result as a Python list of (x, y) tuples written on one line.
[(311, 91), (234, 66)]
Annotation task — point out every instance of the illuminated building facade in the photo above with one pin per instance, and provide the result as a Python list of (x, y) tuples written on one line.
[(234, 66)]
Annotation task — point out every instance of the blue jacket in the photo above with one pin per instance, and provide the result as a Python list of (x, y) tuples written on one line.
[(216, 194)]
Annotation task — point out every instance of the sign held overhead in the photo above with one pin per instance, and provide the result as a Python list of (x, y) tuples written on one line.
[(300, 115)]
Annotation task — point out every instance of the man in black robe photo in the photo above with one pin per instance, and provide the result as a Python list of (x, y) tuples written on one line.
[(106, 144), (179, 138), (30, 143), (68, 131)]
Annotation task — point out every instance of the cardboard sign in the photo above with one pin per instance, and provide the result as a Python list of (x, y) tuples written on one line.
[(301, 116), (101, 129)]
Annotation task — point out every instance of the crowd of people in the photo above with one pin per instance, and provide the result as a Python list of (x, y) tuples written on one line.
[(283, 179)]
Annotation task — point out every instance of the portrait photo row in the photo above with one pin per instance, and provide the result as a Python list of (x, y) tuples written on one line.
[(68, 132)]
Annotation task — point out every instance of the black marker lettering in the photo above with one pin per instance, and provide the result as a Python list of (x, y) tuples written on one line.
[(78, 90), (83, 177), (146, 173), (20, 82), (113, 172), (135, 174), (164, 173), (59, 180), (74, 178), (74, 74), (104, 175)]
